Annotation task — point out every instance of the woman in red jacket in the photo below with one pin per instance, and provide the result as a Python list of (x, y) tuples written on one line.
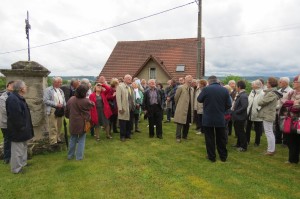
[(101, 112)]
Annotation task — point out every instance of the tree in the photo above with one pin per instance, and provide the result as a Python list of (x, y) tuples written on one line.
[(236, 79), (2, 83)]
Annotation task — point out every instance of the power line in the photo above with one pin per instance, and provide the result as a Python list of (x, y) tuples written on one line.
[(101, 30), (278, 29)]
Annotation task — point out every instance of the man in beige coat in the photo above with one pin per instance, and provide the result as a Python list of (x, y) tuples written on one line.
[(184, 101), (126, 103)]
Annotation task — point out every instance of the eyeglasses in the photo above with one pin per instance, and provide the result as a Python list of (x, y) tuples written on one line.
[(98, 85)]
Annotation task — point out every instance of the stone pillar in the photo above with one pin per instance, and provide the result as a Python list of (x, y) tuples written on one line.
[(35, 77)]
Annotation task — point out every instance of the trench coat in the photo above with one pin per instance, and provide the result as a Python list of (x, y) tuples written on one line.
[(182, 97)]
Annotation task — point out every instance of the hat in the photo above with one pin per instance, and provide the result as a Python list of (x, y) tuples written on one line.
[(297, 78)]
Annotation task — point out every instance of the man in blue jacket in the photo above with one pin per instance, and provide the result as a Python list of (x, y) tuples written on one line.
[(19, 125), (216, 101)]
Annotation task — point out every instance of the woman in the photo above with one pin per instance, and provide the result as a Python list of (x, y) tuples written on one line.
[(138, 104), (199, 106), (78, 111), (111, 97), (101, 112), (293, 140), (267, 112), (252, 112)]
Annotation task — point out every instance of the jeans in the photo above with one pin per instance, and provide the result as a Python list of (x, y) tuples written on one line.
[(74, 139), (268, 126)]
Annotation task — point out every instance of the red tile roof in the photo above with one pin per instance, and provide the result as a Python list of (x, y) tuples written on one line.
[(129, 56)]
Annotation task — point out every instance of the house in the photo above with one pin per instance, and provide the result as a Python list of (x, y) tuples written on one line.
[(154, 59)]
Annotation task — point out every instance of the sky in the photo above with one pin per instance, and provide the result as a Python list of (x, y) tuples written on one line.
[(243, 37)]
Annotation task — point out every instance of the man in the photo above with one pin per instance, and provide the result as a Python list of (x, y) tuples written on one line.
[(239, 116), (232, 85), (19, 126), (169, 94), (54, 98), (180, 81), (284, 90), (101, 80), (184, 101), (3, 122), (216, 101), (153, 107), (126, 104), (69, 91)]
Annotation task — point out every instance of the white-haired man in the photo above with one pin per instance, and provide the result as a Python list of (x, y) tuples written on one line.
[(54, 98), (184, 101), (19, 126), (126, 104)]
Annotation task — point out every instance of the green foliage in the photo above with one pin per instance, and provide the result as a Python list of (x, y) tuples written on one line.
[(50, 79), (2, 83), (144, 167), (236, 79)]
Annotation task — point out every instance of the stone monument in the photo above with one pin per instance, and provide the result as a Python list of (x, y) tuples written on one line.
[(35, 77)]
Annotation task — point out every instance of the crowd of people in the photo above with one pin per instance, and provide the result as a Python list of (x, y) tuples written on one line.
[(214, 108)]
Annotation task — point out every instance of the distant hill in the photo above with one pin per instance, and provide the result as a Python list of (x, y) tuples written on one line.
[(68, 78)]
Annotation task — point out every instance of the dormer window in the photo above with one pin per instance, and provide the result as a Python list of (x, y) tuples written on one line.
[(180, 68)]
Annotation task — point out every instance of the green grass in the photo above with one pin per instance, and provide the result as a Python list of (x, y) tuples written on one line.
[(154, 168)]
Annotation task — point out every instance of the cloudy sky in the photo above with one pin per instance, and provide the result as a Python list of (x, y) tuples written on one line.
[(243, 37)]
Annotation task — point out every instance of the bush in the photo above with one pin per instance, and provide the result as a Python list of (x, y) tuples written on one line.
[(236, 79), (2, 83)]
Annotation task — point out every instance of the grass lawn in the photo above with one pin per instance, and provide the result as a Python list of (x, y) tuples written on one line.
[(146, 167)]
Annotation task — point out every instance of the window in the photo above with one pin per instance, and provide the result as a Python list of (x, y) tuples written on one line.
[(152, 73), (180, 68)]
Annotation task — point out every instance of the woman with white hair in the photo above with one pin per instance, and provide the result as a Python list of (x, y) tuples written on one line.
[(252, 112)]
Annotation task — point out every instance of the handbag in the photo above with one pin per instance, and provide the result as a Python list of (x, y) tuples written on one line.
[(287, 123), (87, 126), (59, 112)]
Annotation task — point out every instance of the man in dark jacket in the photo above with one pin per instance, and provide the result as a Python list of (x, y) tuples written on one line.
[(216, 101), (19, 125), (153, 107), (239, 116)]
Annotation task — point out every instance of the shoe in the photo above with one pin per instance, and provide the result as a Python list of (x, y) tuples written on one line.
[(185, 138), (151, 136), (178, 140), (109, 137), (138, 131), (212, 160), (270, 153), (237, 146), (159, 137), (123, 139), (256, 145), (199, 133), (97, 139), (167, 121), (223, 160), (287, 162), (240, 149), (28, 165)]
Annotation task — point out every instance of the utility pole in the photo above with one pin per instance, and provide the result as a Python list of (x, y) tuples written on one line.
[(27, 27), (199, 43)]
